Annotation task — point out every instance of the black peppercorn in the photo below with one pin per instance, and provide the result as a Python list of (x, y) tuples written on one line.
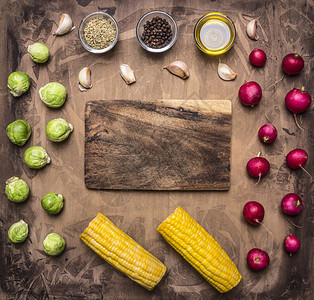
[(157, 33)]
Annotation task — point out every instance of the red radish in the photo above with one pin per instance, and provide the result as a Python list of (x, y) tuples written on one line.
[(292, 244), (257, 166), (250, 93), (253, 212), (258, 57), (292, 64), (267, 133), (296, 159), (291, 204), (298, 101), (257, 259)]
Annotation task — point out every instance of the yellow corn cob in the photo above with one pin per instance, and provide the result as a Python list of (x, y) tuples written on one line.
[(122, 252), (200, 249)]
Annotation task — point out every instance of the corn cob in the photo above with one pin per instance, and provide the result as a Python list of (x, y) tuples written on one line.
[(122, 252), (200, 249)]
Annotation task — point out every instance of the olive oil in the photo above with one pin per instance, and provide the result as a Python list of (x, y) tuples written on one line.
[(214, 33)]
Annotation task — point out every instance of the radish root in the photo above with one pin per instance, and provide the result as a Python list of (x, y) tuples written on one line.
[(269, 121), (259, 178), (296, 121), (295, 225), (260, 223), (306, 171), (276, 82)]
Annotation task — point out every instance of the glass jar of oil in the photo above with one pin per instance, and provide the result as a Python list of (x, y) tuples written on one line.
[(214, 33)]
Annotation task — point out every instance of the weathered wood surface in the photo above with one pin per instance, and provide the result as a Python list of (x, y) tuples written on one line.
[(161, 145), (27, 273)]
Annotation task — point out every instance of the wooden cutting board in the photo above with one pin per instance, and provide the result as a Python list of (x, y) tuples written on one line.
[(161, 145)]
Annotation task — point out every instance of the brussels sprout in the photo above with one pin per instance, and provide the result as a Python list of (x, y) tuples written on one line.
[(18, 83), (39, 52), (18, 232), (53, 244), (53, 94), (58, 130), (36, 157), (52, 203), (18, 132), (16, 189)]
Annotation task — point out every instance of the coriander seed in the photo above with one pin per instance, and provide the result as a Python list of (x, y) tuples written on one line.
[(99, 33)]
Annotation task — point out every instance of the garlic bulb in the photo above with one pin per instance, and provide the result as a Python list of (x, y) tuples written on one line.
[(178, 68), (127, 73), (65, 25), (225, 72), (84, 79), (251, 30)]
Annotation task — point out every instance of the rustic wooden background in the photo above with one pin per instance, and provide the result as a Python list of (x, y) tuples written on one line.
[(159, 145), (27, 273)]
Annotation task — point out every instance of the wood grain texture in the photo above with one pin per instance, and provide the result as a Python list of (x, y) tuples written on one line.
[(27, 273), (161, 145)]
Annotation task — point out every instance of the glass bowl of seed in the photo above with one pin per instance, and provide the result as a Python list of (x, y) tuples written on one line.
[(98, 32), (156, 31)]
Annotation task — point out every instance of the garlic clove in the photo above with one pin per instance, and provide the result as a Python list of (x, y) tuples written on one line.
[(84, 78), (127, 73), (81, 88), (225, 72), (65, 25), (178, 68), (251, 30)]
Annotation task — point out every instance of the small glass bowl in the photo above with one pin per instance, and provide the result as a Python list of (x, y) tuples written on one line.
[(93, 15), (148, 17), (219, 17)]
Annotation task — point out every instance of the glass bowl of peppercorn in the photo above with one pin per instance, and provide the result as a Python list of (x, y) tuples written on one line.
[(156, 31), (98, 32)]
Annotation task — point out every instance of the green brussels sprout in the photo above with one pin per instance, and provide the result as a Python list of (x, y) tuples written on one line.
[(19, 132), (53, 244), (18, 83), (16, 189), (53, 94), (39, 52), (58, 130), (36, 157), (18, 232), (52, 203)]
